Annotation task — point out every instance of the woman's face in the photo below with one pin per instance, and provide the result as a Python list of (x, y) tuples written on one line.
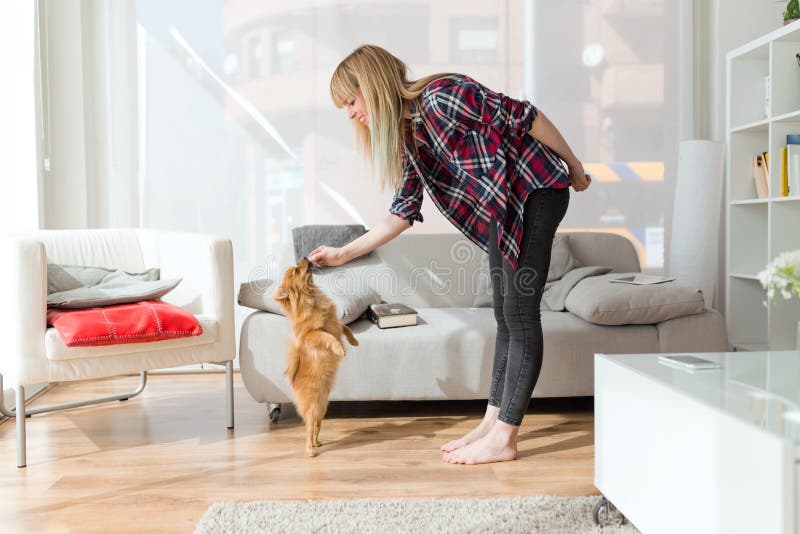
[(357, 109)]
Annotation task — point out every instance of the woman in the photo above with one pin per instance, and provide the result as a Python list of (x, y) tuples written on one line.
[(492, 165)]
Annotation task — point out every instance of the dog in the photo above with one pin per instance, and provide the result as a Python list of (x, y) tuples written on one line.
[(314, 354)]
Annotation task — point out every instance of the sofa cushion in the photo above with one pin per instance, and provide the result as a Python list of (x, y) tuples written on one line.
[(351, 299), (448, 355), (555, 292), (597, 300), (76, 286), (561, 258), (308, 237), (136, 322), (56, 350)]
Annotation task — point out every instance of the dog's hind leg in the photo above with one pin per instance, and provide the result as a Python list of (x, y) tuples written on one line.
[(311, 425), (349, 335), (317, 426)]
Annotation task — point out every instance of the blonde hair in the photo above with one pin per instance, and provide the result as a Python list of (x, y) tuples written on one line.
[(383, 81)]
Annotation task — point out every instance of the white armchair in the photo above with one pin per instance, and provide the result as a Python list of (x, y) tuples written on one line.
[(34, 353)]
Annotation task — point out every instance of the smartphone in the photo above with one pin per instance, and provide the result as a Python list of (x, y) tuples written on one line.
[(687, 361)]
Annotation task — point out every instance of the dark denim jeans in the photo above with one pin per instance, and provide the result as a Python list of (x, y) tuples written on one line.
[(516, 296)]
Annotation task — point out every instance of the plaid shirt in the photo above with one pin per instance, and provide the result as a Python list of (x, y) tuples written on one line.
[(481, 165)]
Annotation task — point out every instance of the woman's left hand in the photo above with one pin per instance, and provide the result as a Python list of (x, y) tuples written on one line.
[(578, 178)]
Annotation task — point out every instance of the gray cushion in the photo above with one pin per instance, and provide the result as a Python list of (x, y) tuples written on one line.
[(75, 286), (309, 237), (561, 259), (597, 300), (555, 292), (351, 299)]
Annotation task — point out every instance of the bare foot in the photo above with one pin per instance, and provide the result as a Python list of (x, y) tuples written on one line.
[(477, 433), (490, 448)]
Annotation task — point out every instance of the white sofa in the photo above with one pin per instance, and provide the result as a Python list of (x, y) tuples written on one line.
[(34, 353), (449, 355)]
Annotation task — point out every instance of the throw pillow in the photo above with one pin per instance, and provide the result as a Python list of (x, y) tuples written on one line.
[(138, 322), (597, 300), (75, 286), (561, 259), (309, 237), (351, 300)]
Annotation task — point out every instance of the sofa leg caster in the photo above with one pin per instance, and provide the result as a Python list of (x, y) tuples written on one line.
[(274, 411)]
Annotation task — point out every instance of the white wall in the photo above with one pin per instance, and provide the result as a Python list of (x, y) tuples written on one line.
[(724, 25)]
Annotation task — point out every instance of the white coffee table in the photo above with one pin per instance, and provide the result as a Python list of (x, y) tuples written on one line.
[(709, 451)]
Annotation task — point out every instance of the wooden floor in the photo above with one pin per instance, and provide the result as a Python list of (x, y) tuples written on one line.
[(157, 461)]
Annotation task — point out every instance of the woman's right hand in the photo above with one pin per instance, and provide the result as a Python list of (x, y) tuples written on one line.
[(325, 255)]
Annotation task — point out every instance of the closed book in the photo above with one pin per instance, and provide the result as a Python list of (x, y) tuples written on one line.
[(793, 168), (392, 315), (784, 173), (760, 176)]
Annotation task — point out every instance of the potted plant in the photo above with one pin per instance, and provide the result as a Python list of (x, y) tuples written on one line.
[(783, 275), (792, 12)]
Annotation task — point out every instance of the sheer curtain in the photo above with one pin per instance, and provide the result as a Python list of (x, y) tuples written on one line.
[(19, 203), (237, 134)]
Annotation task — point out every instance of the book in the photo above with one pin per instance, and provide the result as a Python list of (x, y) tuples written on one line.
[(793, 168), (392, 315), (784, 173), (760, 176), (642, 279)]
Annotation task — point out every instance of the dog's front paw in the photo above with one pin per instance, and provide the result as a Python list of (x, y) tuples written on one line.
[(311, 452)]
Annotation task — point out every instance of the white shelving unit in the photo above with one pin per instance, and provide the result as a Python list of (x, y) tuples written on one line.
[(760, 229)]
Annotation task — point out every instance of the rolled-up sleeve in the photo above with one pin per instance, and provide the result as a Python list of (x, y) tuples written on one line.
[(477, 107), (407, 201)]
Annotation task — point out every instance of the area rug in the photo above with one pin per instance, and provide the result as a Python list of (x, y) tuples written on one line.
[(517, 514)]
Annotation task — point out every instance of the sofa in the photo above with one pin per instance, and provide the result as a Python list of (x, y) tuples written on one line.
[(449, 354)]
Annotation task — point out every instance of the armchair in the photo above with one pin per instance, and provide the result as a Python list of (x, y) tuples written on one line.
[(34, 353)]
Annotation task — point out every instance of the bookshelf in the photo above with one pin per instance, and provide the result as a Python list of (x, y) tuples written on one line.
[(760, 228)]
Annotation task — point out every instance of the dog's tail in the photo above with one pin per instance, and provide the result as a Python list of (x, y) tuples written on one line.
[(349, 335)]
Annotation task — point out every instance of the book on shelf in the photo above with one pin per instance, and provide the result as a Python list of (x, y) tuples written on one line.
[(784, 173), (760, 176), (392, 315), (793, 169), (642, 279)]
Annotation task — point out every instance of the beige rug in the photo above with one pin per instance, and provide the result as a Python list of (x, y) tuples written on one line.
[(518, 514)]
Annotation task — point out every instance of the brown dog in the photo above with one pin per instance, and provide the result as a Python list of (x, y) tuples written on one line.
[(313, 356)]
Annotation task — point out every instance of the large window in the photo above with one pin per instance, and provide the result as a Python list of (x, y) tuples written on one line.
[(238, 136)]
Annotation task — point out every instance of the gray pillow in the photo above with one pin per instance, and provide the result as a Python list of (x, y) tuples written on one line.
[(309, 237), (351, 300), (556, 291), (76, 286), (597, 300), (561, 259)]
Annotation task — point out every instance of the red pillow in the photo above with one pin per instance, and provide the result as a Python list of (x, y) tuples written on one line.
[(137, 322)]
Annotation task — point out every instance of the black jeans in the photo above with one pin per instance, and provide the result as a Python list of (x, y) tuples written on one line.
[(516, 296)]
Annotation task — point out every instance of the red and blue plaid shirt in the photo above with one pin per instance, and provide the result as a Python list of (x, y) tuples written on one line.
[(479, 164)]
